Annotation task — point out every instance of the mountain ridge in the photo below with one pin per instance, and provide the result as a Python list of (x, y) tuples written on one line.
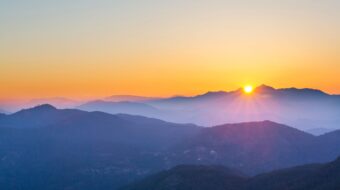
[(117, 149)]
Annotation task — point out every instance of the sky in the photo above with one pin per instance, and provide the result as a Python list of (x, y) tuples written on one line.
[(84, 48)]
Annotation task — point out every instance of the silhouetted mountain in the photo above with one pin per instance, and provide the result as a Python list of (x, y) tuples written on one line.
[(265, 89), (293, 92), (184, 100), (311, 177), (192, 177)]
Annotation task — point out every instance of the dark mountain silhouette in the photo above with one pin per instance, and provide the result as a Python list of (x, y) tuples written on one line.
[(311, 177), (192, 177)]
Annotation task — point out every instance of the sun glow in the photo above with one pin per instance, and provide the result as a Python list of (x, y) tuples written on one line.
[(248, 89)]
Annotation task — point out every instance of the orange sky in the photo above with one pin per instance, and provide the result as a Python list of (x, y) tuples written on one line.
[(83, 49)]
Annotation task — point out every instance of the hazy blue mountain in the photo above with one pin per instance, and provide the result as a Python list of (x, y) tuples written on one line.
[(252, 147), (330, 143), (311, 177), (71, 120), (48, 148), (58, 102), (40, 116), (304, 109), (14, 105)]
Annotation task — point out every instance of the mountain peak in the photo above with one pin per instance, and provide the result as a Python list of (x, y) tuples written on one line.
[(265, 88), (44, 107), (305, 91)]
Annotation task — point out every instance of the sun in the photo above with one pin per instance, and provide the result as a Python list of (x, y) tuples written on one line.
[(248, 89)]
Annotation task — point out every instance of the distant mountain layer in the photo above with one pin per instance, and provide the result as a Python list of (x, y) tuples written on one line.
[(14, 105), (311, 177), (129, 98), (134, 108), (305, 109), (48, 148)]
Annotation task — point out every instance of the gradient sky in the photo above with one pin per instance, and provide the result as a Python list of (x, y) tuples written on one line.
[(83, 48)]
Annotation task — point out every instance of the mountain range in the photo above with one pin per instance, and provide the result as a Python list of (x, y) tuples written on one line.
[(309, 110), (49, 148), (134, 108)]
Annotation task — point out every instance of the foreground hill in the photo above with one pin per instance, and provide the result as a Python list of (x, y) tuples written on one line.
[(311, 177), (192, 177), (47, 148), (253, 147)]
